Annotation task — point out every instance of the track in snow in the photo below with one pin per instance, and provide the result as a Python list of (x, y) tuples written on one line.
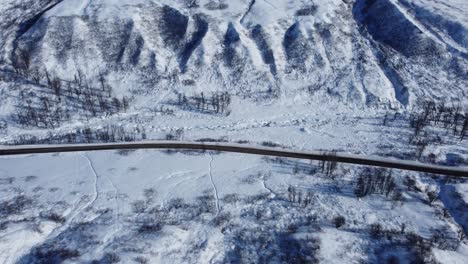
[(215, 190)]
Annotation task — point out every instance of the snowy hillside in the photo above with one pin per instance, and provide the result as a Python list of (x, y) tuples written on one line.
[(384, 78), (219, 69), (363, 51)]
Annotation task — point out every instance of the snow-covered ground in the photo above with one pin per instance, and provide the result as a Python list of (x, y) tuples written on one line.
[(380, 77), (172, 207)]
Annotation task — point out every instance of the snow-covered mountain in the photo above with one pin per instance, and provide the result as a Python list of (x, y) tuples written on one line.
[(368, 77), (360, 51)]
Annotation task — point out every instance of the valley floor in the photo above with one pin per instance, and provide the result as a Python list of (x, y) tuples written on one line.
[(185, 207)]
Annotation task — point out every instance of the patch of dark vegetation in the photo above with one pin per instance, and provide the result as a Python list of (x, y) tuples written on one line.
[(149, 228), (125, 152), (296, 196), (411, 248), (375, 181), (339, 221), (231, 198), (432, 123), (307, 11), (270, 246), (30, 178), (68, 245), (271, 144), (110, 133), (50, 255), (108, 258), (216, 5), (217, 103), (151, 218), (55, 100), (175, 135), (141, 260), (15, 206), (222, 139), (189, 152), (53, 216), (7, 180), (53, 189), (328, 167), (440, 115)]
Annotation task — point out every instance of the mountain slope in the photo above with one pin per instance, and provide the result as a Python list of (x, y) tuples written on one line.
[(363, 51)]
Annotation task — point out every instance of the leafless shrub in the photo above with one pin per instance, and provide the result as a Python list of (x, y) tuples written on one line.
[(376, 231), (175, 204), (411, 184), (141, 260), (52, 216), (431, 196), (339, 221), (222, 219), (150, 195), (139, 207), (53, 189), (307, 11), (217, 103), (150, 228), (231, 198), (125, 152), (8, 180), (37, 189), (30, 178), (216, 5), (270, 144), (54, 255), (206, 203), (420, 249), (15, 206), (109, 258)]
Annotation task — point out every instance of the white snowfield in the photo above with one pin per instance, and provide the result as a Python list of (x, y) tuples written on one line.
[(195, 207)]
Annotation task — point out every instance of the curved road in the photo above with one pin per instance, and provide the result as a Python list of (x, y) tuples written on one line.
[(238, 148)]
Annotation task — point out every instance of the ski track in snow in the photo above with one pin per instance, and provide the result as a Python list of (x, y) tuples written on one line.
[(273, 195), (272, 5), (58, 230), (118, 224), (95, 191), (213, 184)]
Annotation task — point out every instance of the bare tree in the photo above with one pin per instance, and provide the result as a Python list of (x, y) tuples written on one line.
[(464, 128), (56, 85), (22, 62)]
